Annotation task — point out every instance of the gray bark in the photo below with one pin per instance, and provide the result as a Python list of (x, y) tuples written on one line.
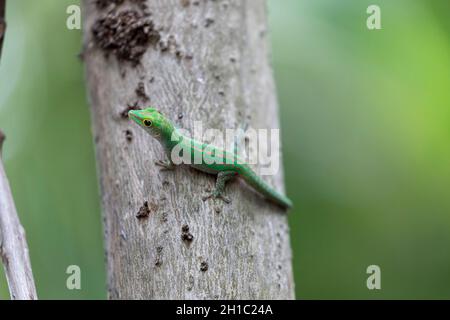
[(13, 244), (207, 61)]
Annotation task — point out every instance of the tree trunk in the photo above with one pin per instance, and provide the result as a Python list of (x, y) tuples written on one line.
[(195, 61)]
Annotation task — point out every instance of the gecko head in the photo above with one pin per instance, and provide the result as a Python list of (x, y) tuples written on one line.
[(152, 121)]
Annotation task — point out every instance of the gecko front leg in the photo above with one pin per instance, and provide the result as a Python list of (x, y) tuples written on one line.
[(166, 165), (222, 178)]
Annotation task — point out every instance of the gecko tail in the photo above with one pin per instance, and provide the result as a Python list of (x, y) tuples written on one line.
[(264, 188)]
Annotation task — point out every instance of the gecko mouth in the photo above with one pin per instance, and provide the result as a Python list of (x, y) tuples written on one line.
[(132, 115)]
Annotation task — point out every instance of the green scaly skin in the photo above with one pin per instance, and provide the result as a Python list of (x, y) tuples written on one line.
[(165, 132)]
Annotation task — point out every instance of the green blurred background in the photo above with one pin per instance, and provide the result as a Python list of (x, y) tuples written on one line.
[(366, 134)]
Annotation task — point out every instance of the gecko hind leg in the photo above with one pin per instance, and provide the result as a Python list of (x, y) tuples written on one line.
[(222, 178)]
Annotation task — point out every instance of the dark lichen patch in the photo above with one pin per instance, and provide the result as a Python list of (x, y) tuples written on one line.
[(169, 45), (107, 4), (163, 46), (145, 210), (81, 55), (129, 135), (134, 106), (204, 266), (2, 139), (142, 4), (140, 91), (262, 33), (158, 260), (186, 236), (126, 35), (185, 3), (113, 4), (208, 22), (179, 54), (190, 285)]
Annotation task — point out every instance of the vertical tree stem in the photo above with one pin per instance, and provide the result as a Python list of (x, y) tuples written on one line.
[(13, 244), (203, 61), (2, 24)]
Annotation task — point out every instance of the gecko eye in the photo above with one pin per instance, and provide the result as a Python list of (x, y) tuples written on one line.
[(147, 123)]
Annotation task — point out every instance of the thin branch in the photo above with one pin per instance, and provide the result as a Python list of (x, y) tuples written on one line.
[(2, 24), (13, 244)]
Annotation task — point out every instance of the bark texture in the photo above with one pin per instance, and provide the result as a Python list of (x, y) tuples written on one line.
[(13, 244), (203, 61)]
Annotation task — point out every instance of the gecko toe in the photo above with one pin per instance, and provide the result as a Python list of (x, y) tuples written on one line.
[(224, 199), (208, 196), (215, 195), (165, 166)]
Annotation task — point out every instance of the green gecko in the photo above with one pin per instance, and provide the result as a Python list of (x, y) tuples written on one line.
[(161, 128)]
